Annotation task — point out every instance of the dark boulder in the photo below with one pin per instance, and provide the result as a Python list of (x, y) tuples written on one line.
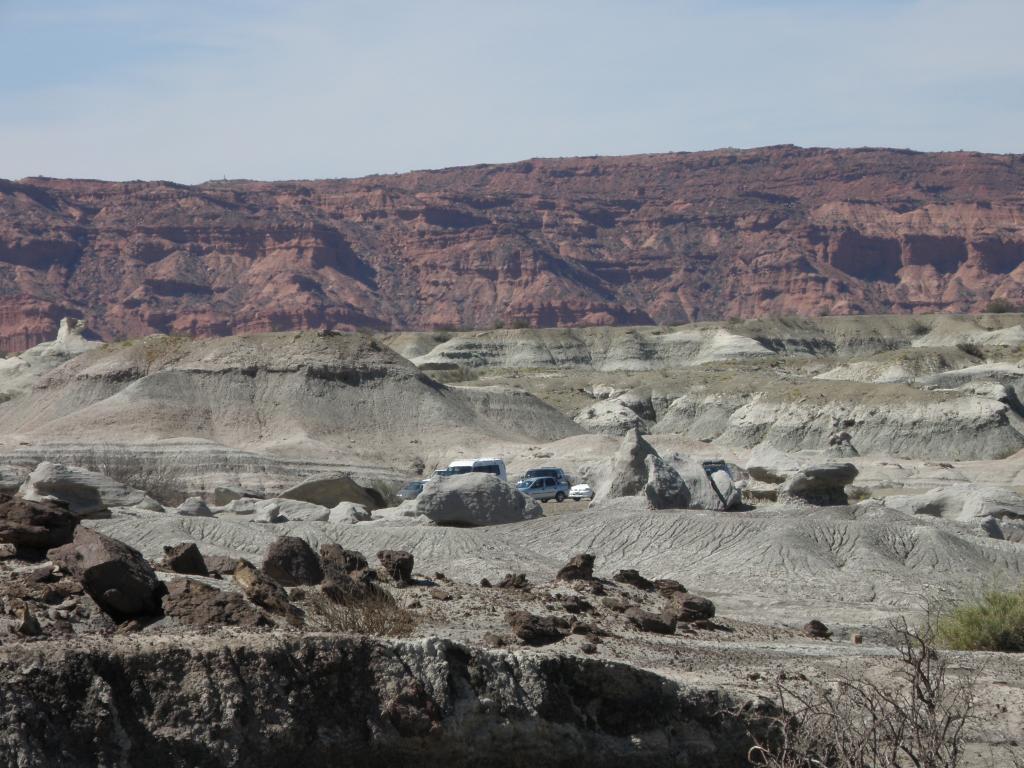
[(292, 562), (265, 592), (537, 630), (198, 605), (817, 629), (397, 564), (339, 563), (579, 568), (685, 607), (632, 576), (185, 558), (35, 525), (116, 576), (651, 622)]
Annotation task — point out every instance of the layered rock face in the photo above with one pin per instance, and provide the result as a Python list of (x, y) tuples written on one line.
[(349, 701), (582, 241)]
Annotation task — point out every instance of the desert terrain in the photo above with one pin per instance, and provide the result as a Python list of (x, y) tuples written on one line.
[(873, 473)]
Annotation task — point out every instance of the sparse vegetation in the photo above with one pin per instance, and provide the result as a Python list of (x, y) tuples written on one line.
[(970, 348), (365, 610), (994, 622), (1001, 307), (917, 717)]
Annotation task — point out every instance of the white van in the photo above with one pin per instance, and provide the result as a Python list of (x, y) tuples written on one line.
[(489, 465)]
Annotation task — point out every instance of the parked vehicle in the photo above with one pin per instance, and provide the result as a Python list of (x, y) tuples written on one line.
[(581, 491), (437, 474), (554, 472), (491, 466), (411, 490), (544, 488)]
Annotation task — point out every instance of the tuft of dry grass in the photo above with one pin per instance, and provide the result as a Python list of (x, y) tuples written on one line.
[(359, 610)]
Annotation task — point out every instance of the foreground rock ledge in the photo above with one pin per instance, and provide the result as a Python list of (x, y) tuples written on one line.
[(318, 700)]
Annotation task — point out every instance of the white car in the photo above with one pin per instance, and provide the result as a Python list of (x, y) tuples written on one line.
[(581, 491)]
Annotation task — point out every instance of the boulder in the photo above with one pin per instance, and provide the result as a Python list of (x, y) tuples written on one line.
[(628, 474), (475, 499), (637, 470), (194, 507), (265, 592), (397, 564), (815, 628), (651, 622), (330, 489), (35, 525), (87, 493), (245, 506), (223, 496), (514, 581), (292, 562), (610, 417), (348, 512), (703, 493), (195, 604), (664, 489), (579, 568), (339, 563), (727, 490), (632, 576), (27, 624), (770, 465), (185, 558), (685, 607), (537, 630), (116, 576), (290, 510), (667, 588), (819, 484), (223, 565)]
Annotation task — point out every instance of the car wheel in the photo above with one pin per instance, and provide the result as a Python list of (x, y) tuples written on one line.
[(559, 497)]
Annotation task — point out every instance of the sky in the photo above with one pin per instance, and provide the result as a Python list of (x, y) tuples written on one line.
[(190, 90)]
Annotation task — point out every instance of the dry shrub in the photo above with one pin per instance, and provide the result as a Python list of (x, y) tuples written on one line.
[(913, 718), (360, 610)]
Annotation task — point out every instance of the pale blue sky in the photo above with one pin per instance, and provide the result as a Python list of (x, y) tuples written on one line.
[(190, 90)]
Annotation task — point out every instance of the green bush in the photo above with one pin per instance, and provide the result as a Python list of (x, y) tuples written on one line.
[(995, 622)]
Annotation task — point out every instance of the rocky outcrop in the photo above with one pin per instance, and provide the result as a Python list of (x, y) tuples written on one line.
[(86, 493), (819, 484), (985, 507), (638, 470), (337, 700), (574, 241), (475, 499)]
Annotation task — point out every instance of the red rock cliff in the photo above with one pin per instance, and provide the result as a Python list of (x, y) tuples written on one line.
[(663, 238)]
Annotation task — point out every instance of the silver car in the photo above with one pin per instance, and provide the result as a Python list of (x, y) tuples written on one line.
[(544, 488)]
